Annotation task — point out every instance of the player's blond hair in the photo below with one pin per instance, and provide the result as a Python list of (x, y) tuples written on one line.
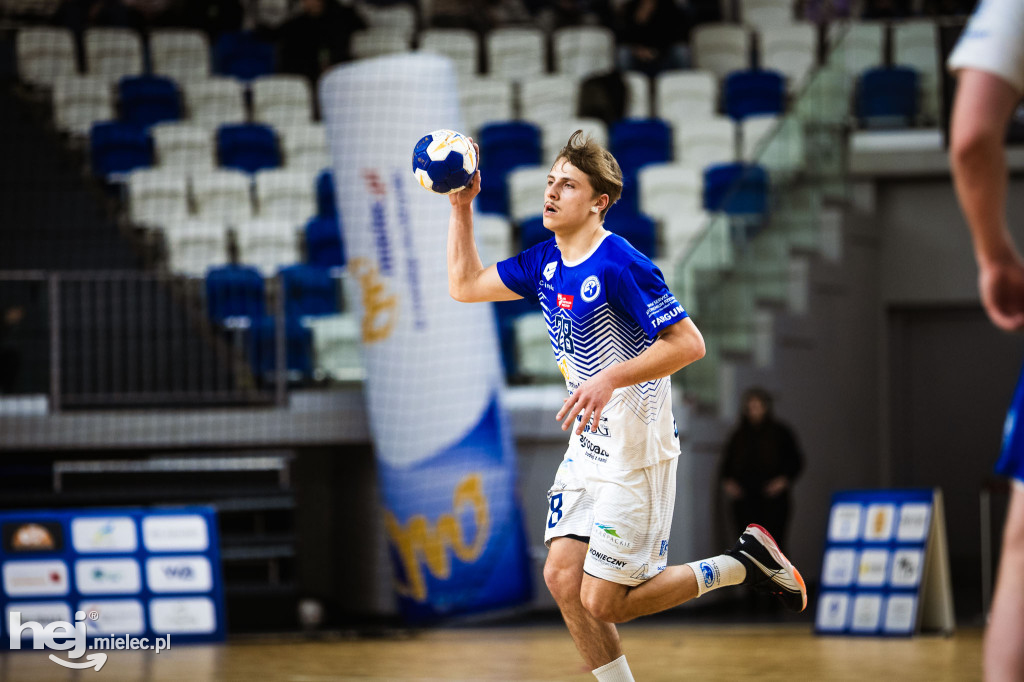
[(597, 163)]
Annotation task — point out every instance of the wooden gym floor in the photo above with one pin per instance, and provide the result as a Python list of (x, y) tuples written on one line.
[(526, 653)]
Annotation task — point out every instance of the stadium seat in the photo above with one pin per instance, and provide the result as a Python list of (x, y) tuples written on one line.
[(195, 246), (532, 231), (637, 229), (526, 186), (263, 348), (222, 195), (721, 48), (308, 291), (285, 194), (145, 100), (243, 56), (324, 245), (180, 54), (915, 45), (493, 234), (80, 101), (857, 46), (113, 53), (505, 315), (736, 189), (458, 44), (580, 51), (516, 54), (678, 232), (758, 14), (183, 146), (703, 142), (326, 207), (749, 93), (548, 98), (790, 50), (157, 196), (555, 134), (534, 356), (304, 147), (666, 188), (267, 244), (336, 347), (212, 102), (681, 96), (271, 13), (394, 17), (376, 42), (638, 142), (234, 291), (483, 101), (504, 146), (281, 100), (775, 144), (45, 55), (887, 97), (117, 148), (247, 147), (638, 94)]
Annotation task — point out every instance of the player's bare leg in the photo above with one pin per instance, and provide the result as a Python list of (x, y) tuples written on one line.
[(614, 603), (1004, 656), (596, 640)]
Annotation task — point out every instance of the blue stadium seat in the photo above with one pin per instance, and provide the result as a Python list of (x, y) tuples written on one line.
[(636, 142), (146, 100), (505, 314), (117, 148), (263, 347), (747, 93), (325, 204), (248, 147), (309, 291), (532, 231), (636, 228), (736, 188), (243, 56), (504, 146), (324, 246), (887, 97), (234, 291)]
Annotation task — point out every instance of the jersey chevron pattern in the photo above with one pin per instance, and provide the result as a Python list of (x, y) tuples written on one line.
[(605, 308)]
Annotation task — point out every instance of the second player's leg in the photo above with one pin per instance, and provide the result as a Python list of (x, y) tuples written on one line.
[(596, 640), (1004, 636)]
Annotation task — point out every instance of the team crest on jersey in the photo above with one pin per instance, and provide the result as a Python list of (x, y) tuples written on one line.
[(549, 269), (591, 288), (565, 301)]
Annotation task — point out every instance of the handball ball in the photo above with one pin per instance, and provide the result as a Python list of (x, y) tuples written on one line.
[(444, 161)]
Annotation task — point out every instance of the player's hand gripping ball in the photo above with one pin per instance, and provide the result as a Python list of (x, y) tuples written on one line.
[(444, 161)]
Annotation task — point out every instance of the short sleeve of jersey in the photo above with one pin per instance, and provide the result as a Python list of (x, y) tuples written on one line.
[(641, 294), (521, 273)]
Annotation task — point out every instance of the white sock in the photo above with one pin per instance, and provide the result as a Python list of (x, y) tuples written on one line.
[(616, 671), (719, 571)]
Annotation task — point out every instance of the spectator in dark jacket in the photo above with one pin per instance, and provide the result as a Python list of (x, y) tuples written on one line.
[(652, 35), (317, 37)]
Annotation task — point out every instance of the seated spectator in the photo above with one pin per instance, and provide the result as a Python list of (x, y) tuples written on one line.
[(79, 15), (213, 17), (885, 9), (650, 33), (315, 38)]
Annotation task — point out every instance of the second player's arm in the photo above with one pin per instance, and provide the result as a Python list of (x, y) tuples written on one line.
[(676, 347)]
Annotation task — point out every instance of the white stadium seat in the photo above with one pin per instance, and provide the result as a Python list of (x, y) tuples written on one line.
[(80, 101), (281, 100), (777, 145), (222, 195), (184, 146), (517, 54), (45, 55), (337, 350), (157, 196), (180, 54), (483, 101), (548, 98), (791, 50), (915, 44), (267, 244), (704, 142), (113, 53), (583, 50), (526, 186), (758, 14), (721, 48), (304, 146), (667, 188), (397, 18), (681, 96), (678, 232), (554, 134), (533, 347), (458, 44), (857, 46), (638, 94), (493, 234), (195, 246), (285, 194), (375, 42), (211, 102)]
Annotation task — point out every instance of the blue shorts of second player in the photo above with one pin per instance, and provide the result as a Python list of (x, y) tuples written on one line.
[(1011, 460)]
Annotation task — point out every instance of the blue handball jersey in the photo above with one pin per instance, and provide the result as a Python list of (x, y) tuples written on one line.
[(607, 307)]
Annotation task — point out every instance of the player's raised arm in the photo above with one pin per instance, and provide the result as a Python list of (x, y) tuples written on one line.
[(468, 280)]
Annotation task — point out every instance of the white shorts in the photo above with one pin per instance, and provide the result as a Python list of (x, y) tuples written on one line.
[(626, 514), (993, 41)]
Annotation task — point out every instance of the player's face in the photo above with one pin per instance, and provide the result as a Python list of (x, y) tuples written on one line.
[(569, 197)]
